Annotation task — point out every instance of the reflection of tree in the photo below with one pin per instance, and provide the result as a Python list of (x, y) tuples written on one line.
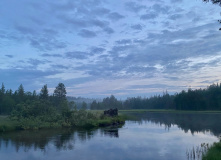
[(34, 139), (62, 139), (186, 121), (113, 132)]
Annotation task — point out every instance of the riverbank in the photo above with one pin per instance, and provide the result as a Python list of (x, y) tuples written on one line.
[(84, 119), (6, 124), (167, 111)]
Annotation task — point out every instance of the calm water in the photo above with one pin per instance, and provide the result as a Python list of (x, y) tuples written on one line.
[(153, 136)]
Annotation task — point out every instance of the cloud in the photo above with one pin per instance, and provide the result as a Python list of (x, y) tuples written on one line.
[(9, 56), (176, 1), (155, 11), (26, 30), (210, 81), (116, 50), (173, 78), (137, 27), (68, 75), (101, 11), (86, 24), (35, 62), (46, 43), (99, 23), (83, 7), (96, 50), (58, 66), (76, 55), (175, 16), (144, 71), (51, 55), (145, 54), (52, 38), (87, 17), (123, 41), (156, 85), (149, 16), (10, 36), (81, 55), (40, 38), (139, 41), (74, 22), (28, 77), (104, 25), (114, 16), (108, 30), (159, 8), (87, 33), (134, 7)]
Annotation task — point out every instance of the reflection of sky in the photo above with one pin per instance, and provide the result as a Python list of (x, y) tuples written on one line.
[(136, 141)]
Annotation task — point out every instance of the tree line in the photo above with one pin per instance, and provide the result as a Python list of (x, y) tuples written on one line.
[(31, 103), (29, 110), (199, 99)]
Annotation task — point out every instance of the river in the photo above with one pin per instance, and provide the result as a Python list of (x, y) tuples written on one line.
[(154, 136)]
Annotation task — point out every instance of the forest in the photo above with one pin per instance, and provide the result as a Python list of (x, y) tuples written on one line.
[(28, 110), (24, 104), (198, 100), (27, 103)]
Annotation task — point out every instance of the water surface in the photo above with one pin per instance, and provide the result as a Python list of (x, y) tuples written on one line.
[(154, 136)]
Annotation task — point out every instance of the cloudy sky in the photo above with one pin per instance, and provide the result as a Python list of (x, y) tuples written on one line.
[(103, 47)]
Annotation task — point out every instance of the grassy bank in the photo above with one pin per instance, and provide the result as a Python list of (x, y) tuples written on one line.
[(77, 119), (214, 152), (6, 124)]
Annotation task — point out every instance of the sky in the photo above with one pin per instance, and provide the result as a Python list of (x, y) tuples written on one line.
[(101, 47)]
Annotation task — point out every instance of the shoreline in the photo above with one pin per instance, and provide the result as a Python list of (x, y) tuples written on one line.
[(6, 124), (168, 111)]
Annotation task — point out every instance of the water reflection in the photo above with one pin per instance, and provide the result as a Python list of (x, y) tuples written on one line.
[(62, 139), (193, 122), (111, 132), (155, 136)]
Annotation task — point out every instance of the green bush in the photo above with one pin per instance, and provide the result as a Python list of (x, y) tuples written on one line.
[(214, 152)]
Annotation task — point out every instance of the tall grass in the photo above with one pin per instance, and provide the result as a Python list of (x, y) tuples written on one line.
[(214, 152), (196, 153), (6, 124), (205, 152)]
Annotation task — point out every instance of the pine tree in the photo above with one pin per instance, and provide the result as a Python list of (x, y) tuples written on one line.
[(44, 93), (60, 92), (2, 89)]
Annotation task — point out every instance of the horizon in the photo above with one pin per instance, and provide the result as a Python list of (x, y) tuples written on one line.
[(120, 99), (97, 49)]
